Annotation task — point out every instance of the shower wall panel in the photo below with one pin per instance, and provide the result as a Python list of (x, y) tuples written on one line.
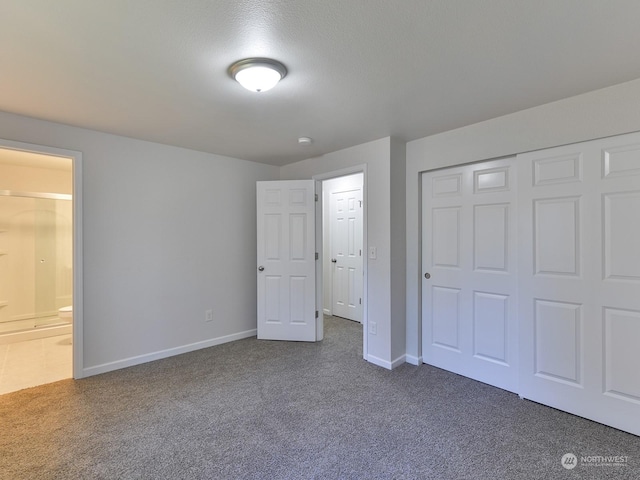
[(36, 261)]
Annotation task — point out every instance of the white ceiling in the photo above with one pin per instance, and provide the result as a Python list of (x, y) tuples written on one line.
[(358, 69)]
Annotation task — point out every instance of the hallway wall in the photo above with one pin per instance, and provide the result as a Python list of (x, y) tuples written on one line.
[(383, 159)]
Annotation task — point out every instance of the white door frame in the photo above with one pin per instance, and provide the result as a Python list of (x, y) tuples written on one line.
[(76, 162), (319, 247)]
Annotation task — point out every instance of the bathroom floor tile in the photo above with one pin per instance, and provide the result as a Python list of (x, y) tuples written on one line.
[(35, 362)]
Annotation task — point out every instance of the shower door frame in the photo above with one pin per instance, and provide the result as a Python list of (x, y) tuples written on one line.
[(38, 312), (76, 162)]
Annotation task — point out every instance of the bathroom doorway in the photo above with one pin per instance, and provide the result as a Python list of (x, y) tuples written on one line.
[(36, 268)]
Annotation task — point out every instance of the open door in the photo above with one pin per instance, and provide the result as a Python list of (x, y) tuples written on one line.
[(346, 253), (286, 269)]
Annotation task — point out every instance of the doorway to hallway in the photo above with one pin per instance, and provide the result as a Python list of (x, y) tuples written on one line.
[(343, 271)]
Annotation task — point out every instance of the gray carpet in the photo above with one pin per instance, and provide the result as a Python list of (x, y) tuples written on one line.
[(278, 410)]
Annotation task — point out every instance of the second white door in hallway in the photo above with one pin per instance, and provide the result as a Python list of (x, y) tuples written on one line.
[(346, 253)]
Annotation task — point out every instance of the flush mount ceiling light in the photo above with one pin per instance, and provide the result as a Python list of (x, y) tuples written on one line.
[(257, 74)]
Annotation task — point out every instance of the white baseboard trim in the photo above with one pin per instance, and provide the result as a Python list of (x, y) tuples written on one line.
[(399, 361), (379, 362), (395, 363), (150, 357), (413, 360)]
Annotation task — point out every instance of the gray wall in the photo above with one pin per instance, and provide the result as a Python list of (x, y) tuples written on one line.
[(398, 247), (168, 233)]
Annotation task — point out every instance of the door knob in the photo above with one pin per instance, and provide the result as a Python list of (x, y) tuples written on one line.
[(261, 268), (427, 275), (333, 260)]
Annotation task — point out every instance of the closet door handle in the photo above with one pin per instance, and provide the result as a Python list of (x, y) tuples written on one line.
[(427, 275), (261, 268)]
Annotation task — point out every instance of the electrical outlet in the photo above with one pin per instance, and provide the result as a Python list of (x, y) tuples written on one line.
[(373, 328), (373, 253), (208, 316)]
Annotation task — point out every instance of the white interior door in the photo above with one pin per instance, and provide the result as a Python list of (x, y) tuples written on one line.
[(469, 301), (580, 279), (286, 260), (346, 253)]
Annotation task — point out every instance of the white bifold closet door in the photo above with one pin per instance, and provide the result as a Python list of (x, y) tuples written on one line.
[(469, 254), (558, 320), (579, 210)]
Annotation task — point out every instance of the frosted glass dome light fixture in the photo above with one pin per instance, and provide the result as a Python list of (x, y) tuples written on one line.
[(257, 74)]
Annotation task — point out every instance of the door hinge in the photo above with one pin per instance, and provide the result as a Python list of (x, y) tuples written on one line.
[(316, 255), (316, 197), (360, 203), (360, 252), (316, 313), (360, 301)]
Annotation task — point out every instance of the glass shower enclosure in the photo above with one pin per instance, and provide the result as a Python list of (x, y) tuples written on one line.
[(36, 254)]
